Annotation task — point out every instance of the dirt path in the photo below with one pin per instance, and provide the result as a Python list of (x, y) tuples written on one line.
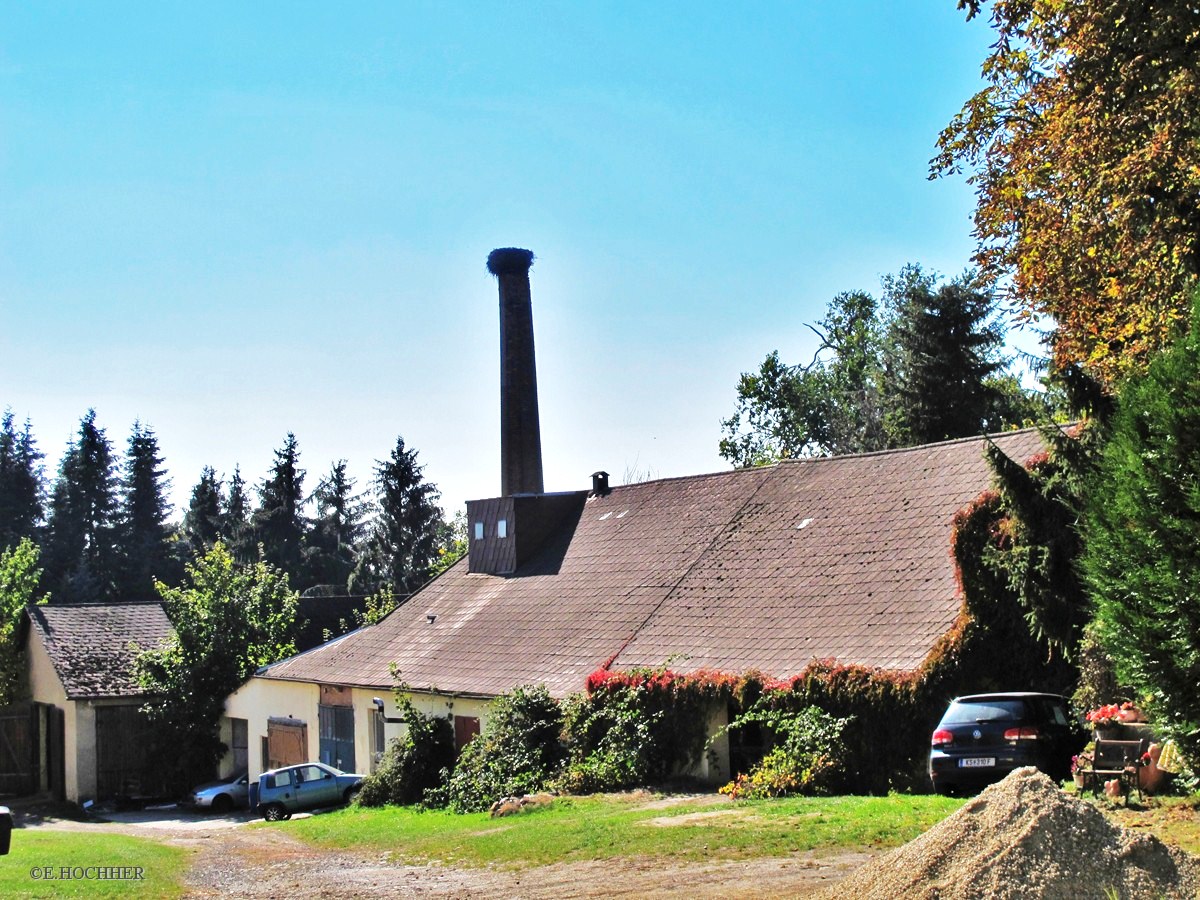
[(231, 860)]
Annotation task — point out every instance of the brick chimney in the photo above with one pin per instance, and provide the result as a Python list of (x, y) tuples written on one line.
[(520, 431)]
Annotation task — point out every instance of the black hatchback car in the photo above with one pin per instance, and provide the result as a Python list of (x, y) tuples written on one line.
[(983, 737)]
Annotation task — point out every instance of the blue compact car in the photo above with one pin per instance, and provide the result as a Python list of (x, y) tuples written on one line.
[(291, 789)]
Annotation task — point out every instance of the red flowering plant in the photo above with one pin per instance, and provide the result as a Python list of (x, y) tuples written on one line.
[(1104, 716)]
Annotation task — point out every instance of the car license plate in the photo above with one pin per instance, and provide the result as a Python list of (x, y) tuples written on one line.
[(977, 762)]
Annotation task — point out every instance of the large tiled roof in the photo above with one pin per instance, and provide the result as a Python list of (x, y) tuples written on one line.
[(843, 558), (90, 646)]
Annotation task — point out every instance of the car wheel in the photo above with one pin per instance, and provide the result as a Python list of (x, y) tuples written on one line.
[(351, 793), (222, 804), (276, 812)]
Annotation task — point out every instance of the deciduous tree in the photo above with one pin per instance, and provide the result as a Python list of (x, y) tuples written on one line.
[(19, 577), (1084, 150), (229, 619), (923, 364)]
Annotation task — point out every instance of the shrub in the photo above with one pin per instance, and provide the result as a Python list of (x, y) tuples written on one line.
[(414, 764), (519, 751), (611, 741), (643, 726), (804, 757)]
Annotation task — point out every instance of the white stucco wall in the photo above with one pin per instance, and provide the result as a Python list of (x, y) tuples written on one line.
[(261, 699), (45, 687)]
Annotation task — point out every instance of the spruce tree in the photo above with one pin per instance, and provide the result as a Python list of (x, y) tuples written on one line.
[(143, 532), (403, 544), (1142, 530), (21, 483), (235, 521), (945, 348), (80, 544), (279, 523), (333, 542), (203, 522)]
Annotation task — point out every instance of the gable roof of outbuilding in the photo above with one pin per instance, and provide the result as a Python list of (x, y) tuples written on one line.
[(92, 646), (844, 558)]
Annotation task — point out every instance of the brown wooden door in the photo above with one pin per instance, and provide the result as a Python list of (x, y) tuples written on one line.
[(18, 749), (123, 764), (287, 742), (466, 728)]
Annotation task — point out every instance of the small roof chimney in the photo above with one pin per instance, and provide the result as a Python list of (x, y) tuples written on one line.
[(599, 483), (520, 429)]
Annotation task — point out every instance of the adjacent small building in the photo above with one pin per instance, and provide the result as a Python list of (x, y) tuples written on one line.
[(90, 736)]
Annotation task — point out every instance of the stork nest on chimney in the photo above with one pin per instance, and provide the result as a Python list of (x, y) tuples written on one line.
[(509, 261)]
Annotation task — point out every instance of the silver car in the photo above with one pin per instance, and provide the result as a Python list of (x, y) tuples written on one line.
[(223, 795), (282, 792)]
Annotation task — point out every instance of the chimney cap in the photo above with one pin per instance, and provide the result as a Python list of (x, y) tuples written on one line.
[(509, 261), (600, 483)]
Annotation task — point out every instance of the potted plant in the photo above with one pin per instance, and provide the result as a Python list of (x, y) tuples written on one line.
[(1106, 720)]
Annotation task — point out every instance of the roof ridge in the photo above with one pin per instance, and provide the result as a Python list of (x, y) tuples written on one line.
[(840, 456), (894, 451)]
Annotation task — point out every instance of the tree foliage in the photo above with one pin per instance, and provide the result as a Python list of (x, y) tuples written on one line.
[(143, 532), (922, 364), (1142, 531), (331, 550), (403, 543), (203, 523), (279, 523), (945, 346), (236, 529), (830, 406), (80, 549), (21, 484), (229, 619), (1084, 150), (452, 542), (19, 578)]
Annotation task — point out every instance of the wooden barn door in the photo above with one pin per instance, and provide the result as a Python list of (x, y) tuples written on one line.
[(18, 749), (287, 742)]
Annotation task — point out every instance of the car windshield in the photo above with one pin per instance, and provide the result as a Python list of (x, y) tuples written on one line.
[(966, 712)]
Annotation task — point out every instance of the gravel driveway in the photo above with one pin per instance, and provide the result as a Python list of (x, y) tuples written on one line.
[(232, 860)]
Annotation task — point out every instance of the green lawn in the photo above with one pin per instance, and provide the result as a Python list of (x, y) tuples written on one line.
[(42, 849), (603, 827)]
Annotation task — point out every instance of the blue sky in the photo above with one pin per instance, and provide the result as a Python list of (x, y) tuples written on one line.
[(231, 221)]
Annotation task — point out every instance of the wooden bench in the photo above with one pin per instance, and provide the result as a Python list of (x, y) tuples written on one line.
[(1118, 760)]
